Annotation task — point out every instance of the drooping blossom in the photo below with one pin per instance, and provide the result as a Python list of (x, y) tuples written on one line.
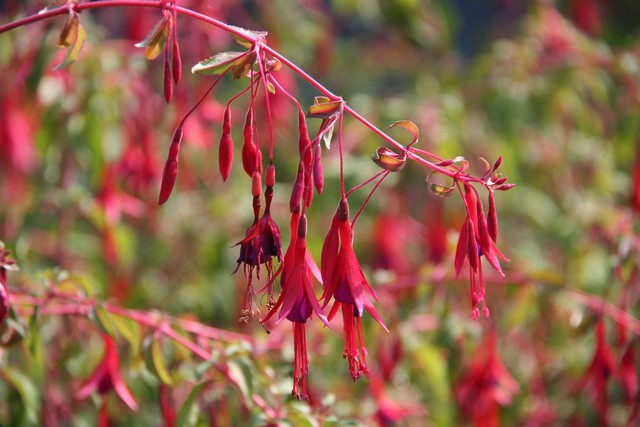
[(262, 243), (601, 370), (344, 282), (485, 385), (478, 237), (6, 264), (105, 378), (297, 301)]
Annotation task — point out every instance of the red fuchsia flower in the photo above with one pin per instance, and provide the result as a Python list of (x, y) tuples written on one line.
[(344, 281), (485, 386), (478, 237), (262, 243), (106, 377), (297, 301), (602, 368), (6, 264)]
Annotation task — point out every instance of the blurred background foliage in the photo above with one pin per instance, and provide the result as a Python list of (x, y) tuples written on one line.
[(553, 87)]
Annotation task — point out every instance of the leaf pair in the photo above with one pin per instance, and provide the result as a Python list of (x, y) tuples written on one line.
[(72, 38)]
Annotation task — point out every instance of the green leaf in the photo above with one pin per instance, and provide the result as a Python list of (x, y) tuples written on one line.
[(158, 362), (410, 126), (69, 31), (130, 330), (102, 318), (250, 34), (156, 39), (188, 413), (441, 190), (222, 62), (72, 39), (28, 394)]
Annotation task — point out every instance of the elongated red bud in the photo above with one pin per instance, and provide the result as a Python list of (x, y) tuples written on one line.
[(483, 229), (461, 248), (472, 246), (271, 175), (504, 187), (225, 156), (470, 203), (303, 135), (318, 174), (492, 218), (249, 149), (4, 294), (497, 164), (168, 83), (298, 189), (256, 184), (177, 61), (170, 171)]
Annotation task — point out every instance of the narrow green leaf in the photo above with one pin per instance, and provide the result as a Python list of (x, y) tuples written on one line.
[(156, 39), (158, 362), (102, 318), (28, 394), (188, 413), (250, 34), (219, 63), (73, 49), (130, 330), (236, 372)]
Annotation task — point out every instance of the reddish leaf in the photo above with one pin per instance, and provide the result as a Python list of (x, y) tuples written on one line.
[(72, 38), (388, 159), (225, 157), (411, 127), (323, 108), (170, 171)]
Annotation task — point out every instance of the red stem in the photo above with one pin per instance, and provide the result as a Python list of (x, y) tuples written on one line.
[(238, 33)]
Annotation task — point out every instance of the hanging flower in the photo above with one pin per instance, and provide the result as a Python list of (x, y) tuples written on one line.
[(485, 386), (297, 301), (6, 264), (344, 281), (261, 245), (106, 377), (477, 240)]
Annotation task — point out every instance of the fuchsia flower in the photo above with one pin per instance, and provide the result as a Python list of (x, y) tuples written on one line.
[(485, 386), (297, 301), (600, 371), (6, 263), (262, 242), (106, 377), (478, 237), (344, 281)]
